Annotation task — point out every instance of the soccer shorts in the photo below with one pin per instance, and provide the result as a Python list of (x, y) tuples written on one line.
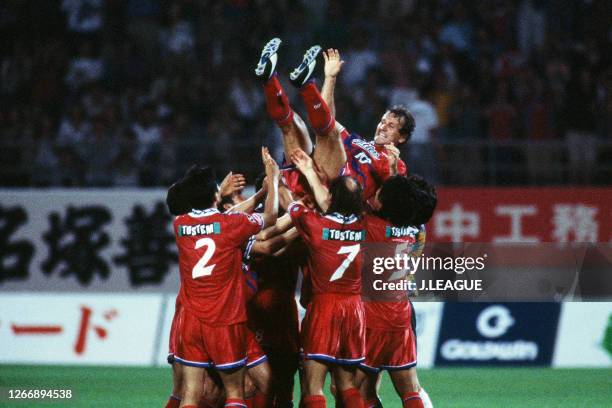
[(202, 345), (333, 329), (390, 349), (255, 354)]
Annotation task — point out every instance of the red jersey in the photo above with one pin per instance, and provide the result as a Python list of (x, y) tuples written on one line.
[(210, 263), (368, 163), (390, 309), (333, 243)]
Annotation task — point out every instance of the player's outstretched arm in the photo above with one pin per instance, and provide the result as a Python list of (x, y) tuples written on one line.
[(305, 165), (270, 213), (333, 65), (250, 203), (282, 225), (274, 244)]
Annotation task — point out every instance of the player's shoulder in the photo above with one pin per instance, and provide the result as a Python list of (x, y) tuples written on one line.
[(297, 209)]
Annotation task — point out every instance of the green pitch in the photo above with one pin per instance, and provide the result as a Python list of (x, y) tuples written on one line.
[(462, 387)]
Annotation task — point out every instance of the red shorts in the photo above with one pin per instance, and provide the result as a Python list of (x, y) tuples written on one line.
[(333, 329), (201, 345), (273, 317), (255, 354), (390, 349)]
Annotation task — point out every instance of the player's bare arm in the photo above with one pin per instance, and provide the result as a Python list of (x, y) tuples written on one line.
[(270, 213), (306, 166), (250, 203), (282, 224), (271, 246), (333, 66)]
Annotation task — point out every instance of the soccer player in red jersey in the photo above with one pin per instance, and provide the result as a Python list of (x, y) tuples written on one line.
[(405, 205), (333, 328), (336, 151), (212, 320)]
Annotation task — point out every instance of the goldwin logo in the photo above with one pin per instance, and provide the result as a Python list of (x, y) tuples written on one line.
[(494, 321)]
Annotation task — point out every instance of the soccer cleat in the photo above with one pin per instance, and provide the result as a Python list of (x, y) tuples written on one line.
[(267, 62), (304, 71)]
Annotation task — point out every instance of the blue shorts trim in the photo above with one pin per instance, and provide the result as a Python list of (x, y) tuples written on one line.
[(229, 366), (200, 364), (257, 362), (330, 359)]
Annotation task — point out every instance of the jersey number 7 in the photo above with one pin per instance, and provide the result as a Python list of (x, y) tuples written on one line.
[(352, 251), (200, 268)]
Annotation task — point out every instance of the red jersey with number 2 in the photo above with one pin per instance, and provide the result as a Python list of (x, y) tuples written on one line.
[(333, 243), (210, 262)]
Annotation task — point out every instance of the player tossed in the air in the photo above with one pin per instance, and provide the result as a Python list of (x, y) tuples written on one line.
[(336, 151)]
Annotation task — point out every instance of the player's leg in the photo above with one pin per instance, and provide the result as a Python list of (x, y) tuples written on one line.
[(407, 386), (314, 379), (368, 383), (293, 128), (260, 375), (213, 395), (193, 384), (329, 154), (344, 378), (233, 383), (283, 365), (177, 383)]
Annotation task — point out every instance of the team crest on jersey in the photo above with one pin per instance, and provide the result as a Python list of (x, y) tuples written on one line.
[(368, 147), (400, 232), (343, 235), (199, 229)]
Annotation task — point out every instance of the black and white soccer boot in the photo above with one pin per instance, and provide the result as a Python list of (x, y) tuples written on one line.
[(304, 71), (269, 57)]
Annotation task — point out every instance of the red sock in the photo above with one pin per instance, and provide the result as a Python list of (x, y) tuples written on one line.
[(189, 406), (235, 402), (314, 401), (412, 400), (173, 402), (277, 102), (260, 400), (319, 116), (352, 399)]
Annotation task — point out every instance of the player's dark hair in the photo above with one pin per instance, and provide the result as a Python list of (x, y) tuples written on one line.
[(346, 196), (200, 186), (406, 121), (259, 181), (225, 200), (175, 199), (407, 201)]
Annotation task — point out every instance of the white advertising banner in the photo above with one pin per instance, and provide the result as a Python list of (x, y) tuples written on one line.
[(62, 240), (102, 329), (429, 316), (584, 338)]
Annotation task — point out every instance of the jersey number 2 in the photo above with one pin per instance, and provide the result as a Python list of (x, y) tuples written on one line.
[(352, 251), (201, 269)]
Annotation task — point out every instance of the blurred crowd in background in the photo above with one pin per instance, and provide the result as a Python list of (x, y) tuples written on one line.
[(126, 93)]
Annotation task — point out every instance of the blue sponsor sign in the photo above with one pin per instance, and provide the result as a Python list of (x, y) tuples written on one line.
[(505, 334)]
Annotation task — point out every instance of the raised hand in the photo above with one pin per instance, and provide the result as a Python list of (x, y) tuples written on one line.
[(302, 161), (333, 63), (271, 167), (232, 183)]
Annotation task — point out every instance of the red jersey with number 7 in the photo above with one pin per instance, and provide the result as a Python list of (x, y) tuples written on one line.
[(210, 262), (333, 242)]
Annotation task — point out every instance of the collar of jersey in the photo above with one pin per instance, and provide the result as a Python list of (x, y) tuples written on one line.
[(203, 213), (341, 218)]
